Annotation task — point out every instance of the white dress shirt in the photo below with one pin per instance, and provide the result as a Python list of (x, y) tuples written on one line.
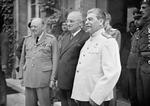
[(98, 69), (75, 33)]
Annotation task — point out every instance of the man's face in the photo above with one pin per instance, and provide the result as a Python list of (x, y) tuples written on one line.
[(36, 27), (145, 10), (73, 22), (132, 27), (92, 23)]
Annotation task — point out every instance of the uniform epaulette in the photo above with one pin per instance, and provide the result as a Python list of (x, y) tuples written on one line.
[(27, 36), (108, 36), (50, 35)]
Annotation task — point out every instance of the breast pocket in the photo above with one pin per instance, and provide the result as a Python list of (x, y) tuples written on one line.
[(28, 51), (93, 51), (45, 49), (44, 54)]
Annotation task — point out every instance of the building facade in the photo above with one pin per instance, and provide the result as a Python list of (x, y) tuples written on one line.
[(27, 9)]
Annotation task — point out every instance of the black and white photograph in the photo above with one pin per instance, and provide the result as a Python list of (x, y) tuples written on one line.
[(74, 52)]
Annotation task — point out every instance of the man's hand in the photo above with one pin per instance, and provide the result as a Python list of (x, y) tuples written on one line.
[(4, 68), (92, 102), (22, 82), (52, 83)]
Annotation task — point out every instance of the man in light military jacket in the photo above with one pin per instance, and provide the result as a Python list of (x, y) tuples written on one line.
[(143, 45), (98, 67), (38, 64)]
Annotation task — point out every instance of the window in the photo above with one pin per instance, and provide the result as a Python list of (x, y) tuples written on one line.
[(33, 7), (40, 8)]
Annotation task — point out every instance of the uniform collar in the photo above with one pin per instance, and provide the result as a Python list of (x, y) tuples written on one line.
[(97, 33), (41, 36)]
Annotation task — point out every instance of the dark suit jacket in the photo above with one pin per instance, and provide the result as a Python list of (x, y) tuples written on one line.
[(68, 59), (125, 49), (3, 61), (3, 48)]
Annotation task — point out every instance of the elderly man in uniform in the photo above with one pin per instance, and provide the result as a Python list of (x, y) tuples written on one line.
[(143, 72), (69, 55), (38, 64), (98, 67)]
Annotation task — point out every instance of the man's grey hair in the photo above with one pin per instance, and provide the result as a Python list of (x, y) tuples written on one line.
[(98, 12), (78, 13), (39, 20)]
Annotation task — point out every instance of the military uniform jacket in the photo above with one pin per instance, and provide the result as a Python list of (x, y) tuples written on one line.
[(133, 57), (144, 40), (38, 61), (98, 69)]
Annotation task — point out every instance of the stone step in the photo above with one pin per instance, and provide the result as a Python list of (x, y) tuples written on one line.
[(16, 85), (17, 99)]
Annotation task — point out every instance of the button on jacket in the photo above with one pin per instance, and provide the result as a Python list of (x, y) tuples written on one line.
[(98, 69), (36, 66)]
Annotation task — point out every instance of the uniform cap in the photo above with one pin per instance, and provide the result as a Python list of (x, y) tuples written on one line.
[(146, 2)]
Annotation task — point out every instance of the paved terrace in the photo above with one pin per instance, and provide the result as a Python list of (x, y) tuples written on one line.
[(17, 99)]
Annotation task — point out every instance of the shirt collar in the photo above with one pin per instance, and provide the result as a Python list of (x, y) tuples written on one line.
[(97, 33), (41, 36), (74, 34)]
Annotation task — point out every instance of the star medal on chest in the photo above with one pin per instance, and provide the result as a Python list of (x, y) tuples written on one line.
[(43, 44)]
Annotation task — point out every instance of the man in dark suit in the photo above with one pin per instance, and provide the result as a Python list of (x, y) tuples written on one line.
[(3, 67), (69, 55)]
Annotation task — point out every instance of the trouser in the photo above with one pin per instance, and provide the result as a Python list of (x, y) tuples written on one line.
[(143, 83), (3, 90), (65, 97), (144, 91), (132, 87), (80, 103), (122, 84), (35, 95)]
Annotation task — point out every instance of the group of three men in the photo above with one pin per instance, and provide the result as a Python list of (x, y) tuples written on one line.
[(86, 70)]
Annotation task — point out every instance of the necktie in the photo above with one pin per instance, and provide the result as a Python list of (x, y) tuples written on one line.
[(37, 39), (71, 36)]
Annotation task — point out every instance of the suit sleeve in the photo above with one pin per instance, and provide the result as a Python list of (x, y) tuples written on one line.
[(4, 50), (111, 68), (54, 58), (22, 61)]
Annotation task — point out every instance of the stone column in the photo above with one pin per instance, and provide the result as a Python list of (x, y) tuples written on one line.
[(23, 17)]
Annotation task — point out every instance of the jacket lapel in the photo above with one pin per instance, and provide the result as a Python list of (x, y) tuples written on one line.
[(66, 41), (73, 41), (42, 39)]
